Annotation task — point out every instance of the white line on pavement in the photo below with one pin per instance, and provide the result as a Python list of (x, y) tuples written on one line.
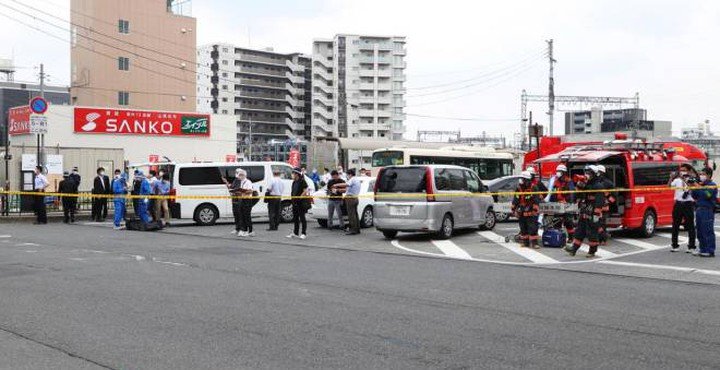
[(662, 267), (640, 244), (602, 253), (451, 249), (5, 236), (681, 239), (526, 253)]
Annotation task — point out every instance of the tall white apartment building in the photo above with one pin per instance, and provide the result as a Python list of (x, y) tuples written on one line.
[(268, 92), (358, 89)]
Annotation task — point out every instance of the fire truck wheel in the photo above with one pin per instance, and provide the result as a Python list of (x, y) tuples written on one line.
[(648, 224)]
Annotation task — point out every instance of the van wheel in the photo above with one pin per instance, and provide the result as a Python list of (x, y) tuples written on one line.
[(501, 217), (446, 228), (367, 217), (322, 223), (286, 212), (649, 223), (206, 215), (389, 234), (490, 220)]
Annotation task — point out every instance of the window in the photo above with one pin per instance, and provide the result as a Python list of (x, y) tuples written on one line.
[(285, 171), (200, 176), (123, 98), (450, 180), (473, 183), (652, 174), (255, 173), (123, 26), (123, 63), (402, 180)]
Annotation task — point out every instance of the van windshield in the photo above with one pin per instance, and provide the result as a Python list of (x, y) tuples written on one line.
[(402, 180)]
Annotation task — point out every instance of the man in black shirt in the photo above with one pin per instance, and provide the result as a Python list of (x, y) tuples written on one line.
[(335, 190), (68, 186)]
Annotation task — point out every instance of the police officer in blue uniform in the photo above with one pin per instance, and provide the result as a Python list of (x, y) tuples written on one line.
[(119, 188), (705, 196), (145, 190)]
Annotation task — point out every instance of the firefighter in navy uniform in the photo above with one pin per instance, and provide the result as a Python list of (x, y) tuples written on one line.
[(526, 207), (590, 206), (561, 184), (610, 200)]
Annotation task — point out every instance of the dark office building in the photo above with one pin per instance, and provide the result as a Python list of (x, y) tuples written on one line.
[(13, 94)]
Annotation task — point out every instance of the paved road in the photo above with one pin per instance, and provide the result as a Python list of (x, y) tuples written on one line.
[(86, 296)]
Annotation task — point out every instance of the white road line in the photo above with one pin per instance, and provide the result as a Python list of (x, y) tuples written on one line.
[(451, 249), (5, 236), (527, 253), (602, 253), (663, 267), (640, 244), (681, 239)]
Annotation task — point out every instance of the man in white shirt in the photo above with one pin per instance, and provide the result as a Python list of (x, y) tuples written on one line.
[(41, 183), (683, 210), (275, 190)]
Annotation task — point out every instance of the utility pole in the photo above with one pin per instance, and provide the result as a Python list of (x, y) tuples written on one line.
[(530, 131), (250, 149), (551, 86), (41, 137)]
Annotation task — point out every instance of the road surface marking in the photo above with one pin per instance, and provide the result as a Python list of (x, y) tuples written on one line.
[(451, 249), (681, 239), (662, 267), (640, 244), (602, 253), (527, 253), (5, 236)]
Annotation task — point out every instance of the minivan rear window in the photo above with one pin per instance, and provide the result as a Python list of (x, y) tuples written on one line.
[(200, 176), (402, 180)]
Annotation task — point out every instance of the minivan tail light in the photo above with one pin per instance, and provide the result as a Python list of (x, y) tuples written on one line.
[(429, 191), (377, 183)]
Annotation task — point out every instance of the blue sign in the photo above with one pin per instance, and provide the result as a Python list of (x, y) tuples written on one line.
[(38, 105)]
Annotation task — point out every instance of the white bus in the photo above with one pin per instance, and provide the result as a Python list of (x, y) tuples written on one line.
[(486, 162)]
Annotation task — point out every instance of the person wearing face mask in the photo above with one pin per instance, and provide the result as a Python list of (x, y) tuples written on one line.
[(119, 188), (101, 188), (561, 188), (41, 184), (683, 210), (526, 206), (241, 190), (705, 195), (610, 200), (143, 202), (590, 206)]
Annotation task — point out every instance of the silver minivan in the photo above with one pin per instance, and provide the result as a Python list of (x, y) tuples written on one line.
[(434, 199)]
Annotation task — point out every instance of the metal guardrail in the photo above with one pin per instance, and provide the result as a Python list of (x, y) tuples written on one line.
[(53, 204)]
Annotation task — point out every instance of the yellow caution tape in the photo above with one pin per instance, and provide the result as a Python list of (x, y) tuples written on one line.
[(369, 195)]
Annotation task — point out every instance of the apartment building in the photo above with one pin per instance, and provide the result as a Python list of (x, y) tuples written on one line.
[(133, 54), (358, 89), (268, 92)]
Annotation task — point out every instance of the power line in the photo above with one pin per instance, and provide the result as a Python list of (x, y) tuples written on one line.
[(499, 76), (532, 58), (463, 118)]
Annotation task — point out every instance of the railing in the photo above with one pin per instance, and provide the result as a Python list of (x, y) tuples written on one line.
[(53, 204)]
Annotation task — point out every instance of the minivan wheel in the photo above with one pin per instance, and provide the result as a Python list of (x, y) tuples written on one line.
[(206, 215), (490, 221), (286, 212), (501, 217), (649, 223), (389, 234), (446, 228), (367, 217)]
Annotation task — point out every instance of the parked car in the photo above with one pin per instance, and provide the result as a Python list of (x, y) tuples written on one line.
[(434, 199), (502, 185), (319, 210), (205, 181)]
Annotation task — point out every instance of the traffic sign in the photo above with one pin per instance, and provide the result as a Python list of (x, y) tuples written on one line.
[(38, 124), (38, 105)]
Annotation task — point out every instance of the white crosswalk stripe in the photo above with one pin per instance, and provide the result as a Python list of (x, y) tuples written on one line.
[(451, 249), (602, 253), (681, 239), (640, 244), (529, 254)]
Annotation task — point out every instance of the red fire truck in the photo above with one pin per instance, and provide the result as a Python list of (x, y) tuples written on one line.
[(644, 169), (555, 144)]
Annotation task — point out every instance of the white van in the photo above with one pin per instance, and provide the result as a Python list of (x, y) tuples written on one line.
[(205, 181)]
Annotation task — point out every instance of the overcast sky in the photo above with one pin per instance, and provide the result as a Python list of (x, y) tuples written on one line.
[(483, 53)]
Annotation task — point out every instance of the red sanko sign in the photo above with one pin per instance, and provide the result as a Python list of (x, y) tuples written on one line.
[(19, 120), (133, 122)]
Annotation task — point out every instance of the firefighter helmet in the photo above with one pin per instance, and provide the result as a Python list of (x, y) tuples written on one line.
[(561, 168), (526, 175), (600, 168)]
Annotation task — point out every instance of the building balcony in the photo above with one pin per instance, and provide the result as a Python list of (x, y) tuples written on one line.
[(323, 61), (367, 113), (366, 99), (328, 90), (253, 95), (260, 59), (399, 78), (325, 114), (384, 86), (367, 86), (402, 51), (297, 68), (294, 125), (384, 60), (384, 113), (323, 100), (261, 72), (386, 72), (402, 64), (295, 79), (254, 108), (293, 90), (262, 83), (367, 72), (366, 59), (293, 113), (323, 74)]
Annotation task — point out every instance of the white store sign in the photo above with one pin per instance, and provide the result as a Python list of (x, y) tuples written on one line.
[(54, 163), (38, 124)]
